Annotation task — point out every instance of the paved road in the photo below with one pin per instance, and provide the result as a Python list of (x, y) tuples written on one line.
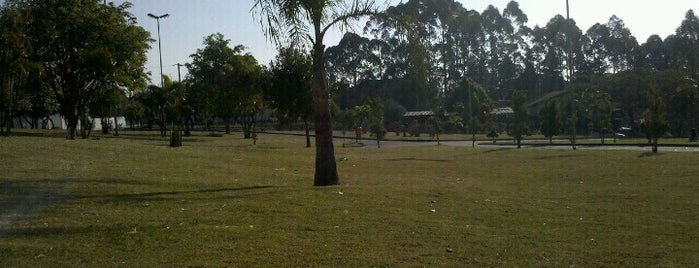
[(486, 144), (581, 147), (556, 147)]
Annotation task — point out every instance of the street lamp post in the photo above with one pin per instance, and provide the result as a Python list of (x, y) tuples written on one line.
[(160, 51), (570, 84)]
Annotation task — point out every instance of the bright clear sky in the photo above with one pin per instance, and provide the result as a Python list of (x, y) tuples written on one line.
[(190, 21)]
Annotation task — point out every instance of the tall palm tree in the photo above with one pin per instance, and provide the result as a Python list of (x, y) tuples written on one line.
[(296, 21)]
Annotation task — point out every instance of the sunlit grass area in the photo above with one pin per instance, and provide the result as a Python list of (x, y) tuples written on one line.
[(132, 201)]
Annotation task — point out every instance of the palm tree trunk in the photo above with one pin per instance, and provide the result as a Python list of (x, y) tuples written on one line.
[(325, 165)]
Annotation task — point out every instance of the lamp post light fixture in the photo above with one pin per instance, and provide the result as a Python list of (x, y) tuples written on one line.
[(160, 51)]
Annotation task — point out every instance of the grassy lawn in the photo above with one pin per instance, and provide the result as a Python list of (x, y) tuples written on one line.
[(132, 201)]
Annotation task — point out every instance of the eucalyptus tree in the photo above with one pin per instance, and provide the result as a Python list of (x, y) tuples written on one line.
[(505, 39), (594, 47), (621, 45), (652, 54), (310, 20), (552, 44), (352, 60), (688, 35)]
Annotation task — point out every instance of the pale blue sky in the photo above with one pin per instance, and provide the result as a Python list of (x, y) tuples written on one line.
[(190, 21)]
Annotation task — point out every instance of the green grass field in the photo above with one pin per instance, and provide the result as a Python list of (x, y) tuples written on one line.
[(132, 201)]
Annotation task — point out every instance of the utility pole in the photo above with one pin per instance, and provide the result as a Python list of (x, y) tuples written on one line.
[(179, 75)]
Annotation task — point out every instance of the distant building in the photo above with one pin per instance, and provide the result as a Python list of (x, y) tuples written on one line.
[(57, 122)]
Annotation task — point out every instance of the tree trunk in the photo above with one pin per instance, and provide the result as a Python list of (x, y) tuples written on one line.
[(116, 125), (655, 145), (163, 123), (71, 126), (308, 134), (325, 165), (175, 137), (473, 140), (550, 140), (227, 123), (187, 127), (83, 125), (6, 118), (105, 125), (247, 130), (601, 136), (519, 143)]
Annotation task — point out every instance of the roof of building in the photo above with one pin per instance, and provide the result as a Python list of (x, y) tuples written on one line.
[(502, 110), (418, 113)]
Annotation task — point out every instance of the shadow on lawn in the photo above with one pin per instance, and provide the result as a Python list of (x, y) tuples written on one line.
[(23, 198), (649, 154), (417, 159), (549, 157), (498, 150), (167, 195)]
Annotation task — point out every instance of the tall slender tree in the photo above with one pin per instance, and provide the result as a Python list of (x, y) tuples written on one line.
[(519, 127), (310, 20)]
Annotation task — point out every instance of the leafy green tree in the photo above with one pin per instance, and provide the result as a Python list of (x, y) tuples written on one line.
[(133, 111), (15, 66), (436, 127), (376, 120), (312, 19), (227, 83), (654, 123), (208, 72), (105, 105), (551, 120), (599, 110), (290, 92), (84, 45), (519, 127), (470, 101)]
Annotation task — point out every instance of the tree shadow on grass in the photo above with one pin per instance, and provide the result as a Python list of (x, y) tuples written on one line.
[(504, 149), (549, 157), (22, 199), (417, 159), (649, 154), (167, 195)]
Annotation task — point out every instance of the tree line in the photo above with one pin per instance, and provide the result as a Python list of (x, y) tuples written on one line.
[(420, 55), (84, 59)]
